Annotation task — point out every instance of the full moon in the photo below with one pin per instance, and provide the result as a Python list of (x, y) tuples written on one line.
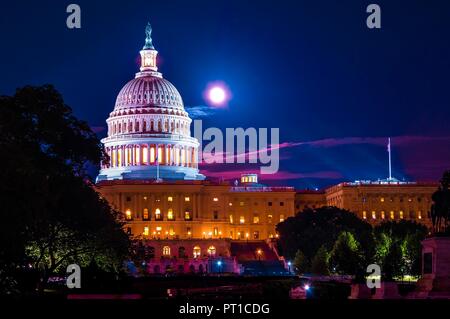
[(217, 95)]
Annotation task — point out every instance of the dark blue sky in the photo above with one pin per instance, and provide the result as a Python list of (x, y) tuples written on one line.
[(311, 68)]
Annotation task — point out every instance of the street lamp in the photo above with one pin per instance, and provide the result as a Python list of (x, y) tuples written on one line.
[(259, 253), (289, 266), (219, 265)]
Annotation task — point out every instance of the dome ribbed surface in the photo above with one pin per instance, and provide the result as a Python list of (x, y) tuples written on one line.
[(149, 91)]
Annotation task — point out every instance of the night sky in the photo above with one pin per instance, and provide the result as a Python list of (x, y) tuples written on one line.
[(335, 88)]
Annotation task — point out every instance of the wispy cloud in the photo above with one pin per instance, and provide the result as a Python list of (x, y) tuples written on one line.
[(280, 175), (199, 111)]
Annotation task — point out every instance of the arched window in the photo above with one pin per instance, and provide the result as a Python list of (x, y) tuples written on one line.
[(196, 252), (211, 251), (181, 252), (156, 269), (166, 251), (158, 214), (149, 252)]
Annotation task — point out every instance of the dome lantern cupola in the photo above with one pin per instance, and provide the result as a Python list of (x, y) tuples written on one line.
[(148, 56), (149, 133)]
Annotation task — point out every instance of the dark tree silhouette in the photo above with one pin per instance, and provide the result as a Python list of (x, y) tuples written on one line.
[(51, 215), (307, 231), (440, 210)]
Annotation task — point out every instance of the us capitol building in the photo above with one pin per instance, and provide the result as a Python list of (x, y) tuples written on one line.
[(187, 223)]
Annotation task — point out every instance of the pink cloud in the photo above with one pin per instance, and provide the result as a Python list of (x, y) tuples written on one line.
[(234, 173)]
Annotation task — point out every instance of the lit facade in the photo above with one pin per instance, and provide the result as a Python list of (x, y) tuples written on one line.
[(186, 223), (374, 202), (199, 209)]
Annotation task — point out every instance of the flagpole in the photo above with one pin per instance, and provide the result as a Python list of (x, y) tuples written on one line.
[(390, 164)]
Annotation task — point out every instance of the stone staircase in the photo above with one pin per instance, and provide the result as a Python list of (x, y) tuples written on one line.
[(257, 258)]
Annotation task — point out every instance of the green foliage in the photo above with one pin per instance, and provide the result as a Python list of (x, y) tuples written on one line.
[(320, 262), (53, 214), (398, 248), (301, 263), (346, 256), (311, 229)]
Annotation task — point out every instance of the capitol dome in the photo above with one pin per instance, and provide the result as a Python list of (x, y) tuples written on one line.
[(149, 130), (148, 91)]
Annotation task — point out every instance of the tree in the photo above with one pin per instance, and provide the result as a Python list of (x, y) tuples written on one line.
[(346, 257), (398, 248), (319, 264), (51, 213), (393, 265), (440, 210), (310, 229), (301, 263)]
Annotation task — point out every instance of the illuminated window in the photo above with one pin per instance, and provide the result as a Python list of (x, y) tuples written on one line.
[(171, 231), (145, 197), (410, 199), (128, 214), (269, 219), (256, 219), (145, 214), (166, 251), (158, 229), (383, 216), (241, 203), (281, 218), (364, 215), (230, 204), (215, 199), (242, 220), (158, 214), (216, 231), (382, 199), (419, 214), (170, 214), (187, 215), (401, 214), (170, 199), (187, 199), (374, 214), (196, 252), (231, 219), (256, 234), (145, 231), (211, 251), (145, 155), (392, 215)]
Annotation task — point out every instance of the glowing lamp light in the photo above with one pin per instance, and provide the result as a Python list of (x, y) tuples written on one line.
[(306, 287), (219, 263)]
